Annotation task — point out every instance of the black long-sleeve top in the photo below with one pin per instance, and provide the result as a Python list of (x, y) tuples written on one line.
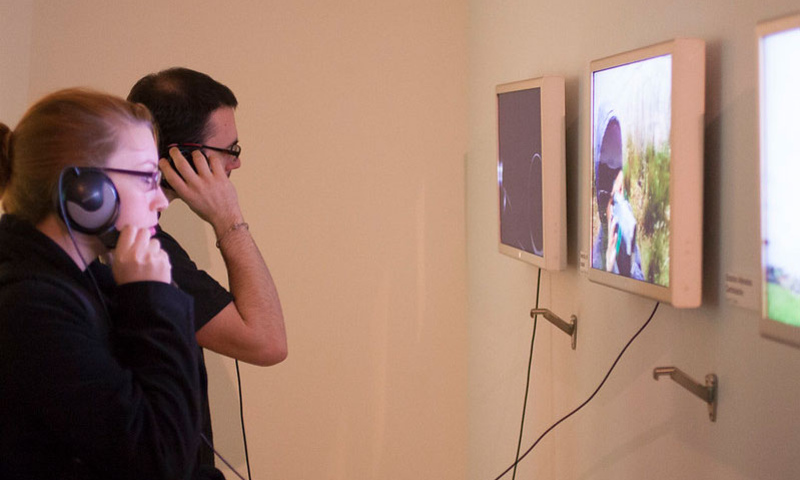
[(95, 383)]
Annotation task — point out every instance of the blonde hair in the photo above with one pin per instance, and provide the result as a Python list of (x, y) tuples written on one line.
[(71, 127)]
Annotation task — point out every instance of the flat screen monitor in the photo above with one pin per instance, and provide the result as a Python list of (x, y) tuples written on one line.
[(779, 147), (531, 171), (647, 113)]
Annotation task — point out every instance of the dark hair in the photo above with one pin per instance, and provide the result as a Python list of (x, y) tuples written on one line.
[(181, 101), (72, 127)]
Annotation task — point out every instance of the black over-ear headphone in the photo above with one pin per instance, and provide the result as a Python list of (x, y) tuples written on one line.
[(88, 201)]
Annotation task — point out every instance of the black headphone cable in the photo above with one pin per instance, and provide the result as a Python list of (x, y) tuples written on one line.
[(528, 381), (241, 417), (613, 365)]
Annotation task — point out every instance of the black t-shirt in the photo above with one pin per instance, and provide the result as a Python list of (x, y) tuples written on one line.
[(209, 299), (209, 296)]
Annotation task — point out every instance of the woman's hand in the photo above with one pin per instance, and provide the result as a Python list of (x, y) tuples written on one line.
[(139, 258)]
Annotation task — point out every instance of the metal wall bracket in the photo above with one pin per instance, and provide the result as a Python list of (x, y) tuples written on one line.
[(570, 329), (707, 392)]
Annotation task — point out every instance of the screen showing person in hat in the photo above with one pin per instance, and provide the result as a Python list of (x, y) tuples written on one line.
[(615, 247), (631, 176)]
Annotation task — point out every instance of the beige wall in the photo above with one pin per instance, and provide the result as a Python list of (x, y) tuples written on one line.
[(353, 122), (636, 428), (15, 42)]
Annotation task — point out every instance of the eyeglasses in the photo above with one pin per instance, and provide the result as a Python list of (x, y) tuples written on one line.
[(152, 179), (234, 151)]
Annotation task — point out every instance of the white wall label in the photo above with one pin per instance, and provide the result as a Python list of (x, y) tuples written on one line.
[(741, 291)]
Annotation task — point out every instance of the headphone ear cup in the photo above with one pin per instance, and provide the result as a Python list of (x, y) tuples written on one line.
[(88, 200)]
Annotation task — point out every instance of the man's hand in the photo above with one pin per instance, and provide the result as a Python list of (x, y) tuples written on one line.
[(208, 191)]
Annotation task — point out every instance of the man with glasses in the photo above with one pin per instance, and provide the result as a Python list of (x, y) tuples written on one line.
[(199, 147)]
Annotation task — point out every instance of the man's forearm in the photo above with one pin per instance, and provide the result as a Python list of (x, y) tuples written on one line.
[(255, 295)]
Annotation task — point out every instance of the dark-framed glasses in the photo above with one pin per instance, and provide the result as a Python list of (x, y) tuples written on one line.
[(152, 179), (234, 150)]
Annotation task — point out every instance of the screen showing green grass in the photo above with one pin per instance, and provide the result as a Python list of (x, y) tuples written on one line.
[(784, 304), (780, 174)]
